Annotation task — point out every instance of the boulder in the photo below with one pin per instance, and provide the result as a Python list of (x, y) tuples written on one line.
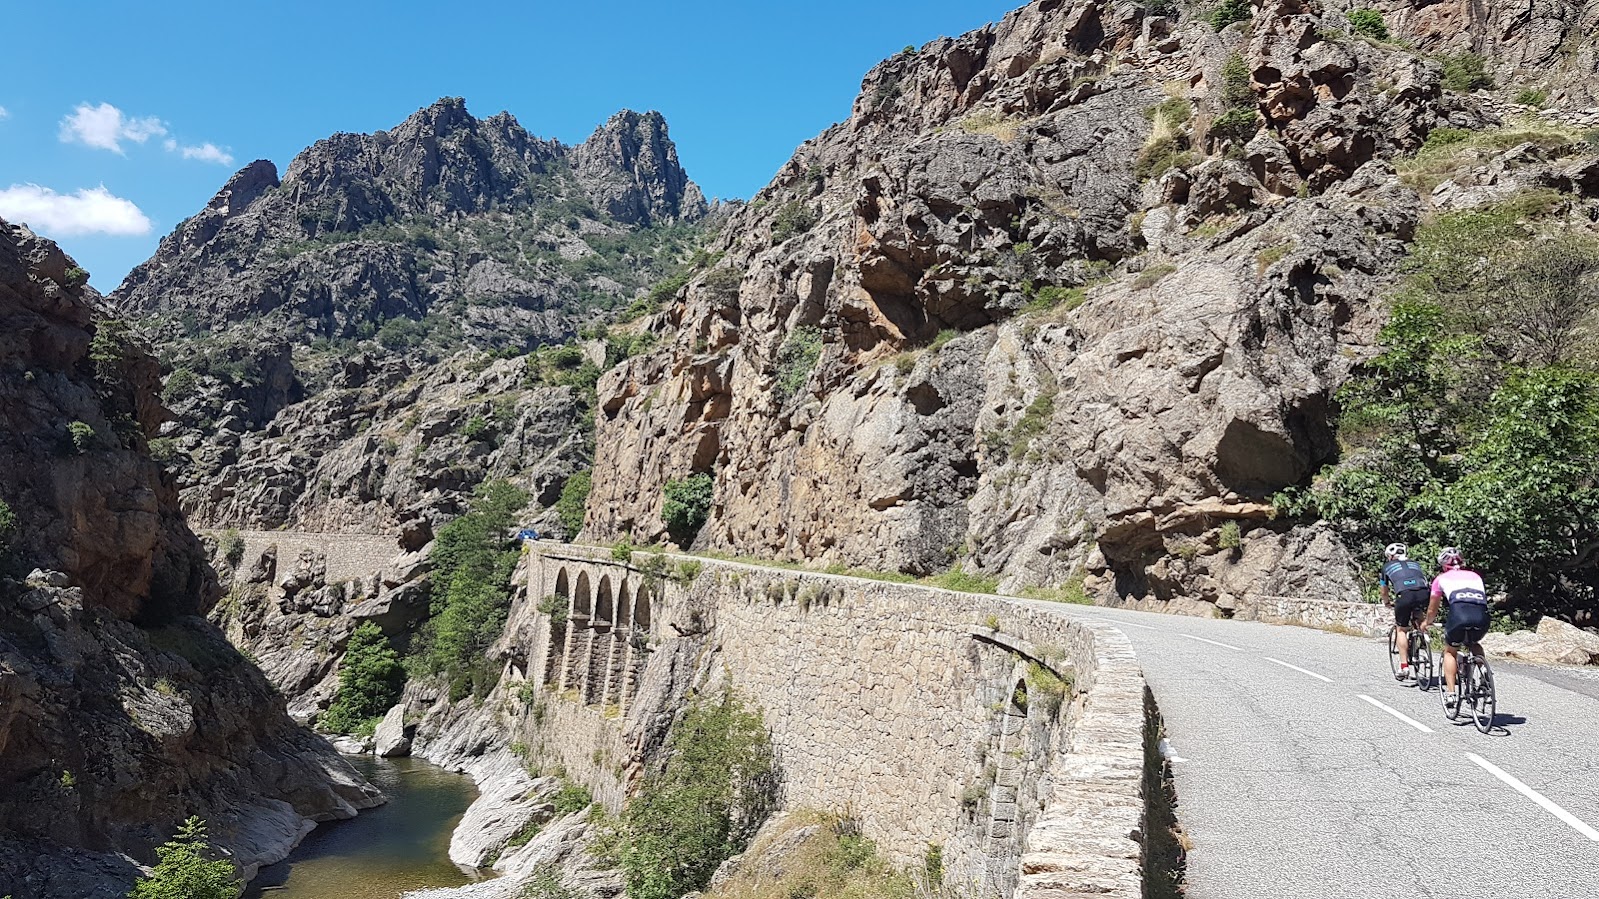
[(393, 737), (1554, 643)]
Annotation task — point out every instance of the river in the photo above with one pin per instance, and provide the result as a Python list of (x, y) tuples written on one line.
[(381, 853)]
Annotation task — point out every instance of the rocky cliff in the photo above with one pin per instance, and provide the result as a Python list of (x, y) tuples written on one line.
[(303, 321), (1066, 300), (122, 711)]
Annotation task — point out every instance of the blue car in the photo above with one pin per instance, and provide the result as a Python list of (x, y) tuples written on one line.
[(527, 534)]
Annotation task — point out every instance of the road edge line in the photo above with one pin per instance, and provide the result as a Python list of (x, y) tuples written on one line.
[(1543, 801)]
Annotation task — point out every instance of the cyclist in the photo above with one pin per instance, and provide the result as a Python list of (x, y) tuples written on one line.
[(1463, 589), (1406, 580)]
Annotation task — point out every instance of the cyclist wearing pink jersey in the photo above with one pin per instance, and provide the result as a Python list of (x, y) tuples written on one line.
[(1463, 589)]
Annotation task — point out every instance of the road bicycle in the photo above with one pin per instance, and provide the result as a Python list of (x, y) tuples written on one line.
[(1420, 653), (1474, 691)]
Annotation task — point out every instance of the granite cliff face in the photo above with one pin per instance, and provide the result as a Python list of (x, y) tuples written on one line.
[(314, 326), (122, 710), (1065, 300)]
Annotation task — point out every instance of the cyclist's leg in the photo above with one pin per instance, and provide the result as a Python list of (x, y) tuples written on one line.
[(1449, 667)]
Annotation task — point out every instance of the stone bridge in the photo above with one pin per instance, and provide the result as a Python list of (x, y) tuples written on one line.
[(1001, 732)]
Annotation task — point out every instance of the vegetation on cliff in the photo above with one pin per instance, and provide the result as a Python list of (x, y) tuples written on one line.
[(370, 680), (1478, 422), (473, 558), (187, 869), (717, 788)]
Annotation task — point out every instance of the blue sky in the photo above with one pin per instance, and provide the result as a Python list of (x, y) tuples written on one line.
[(121, 118)]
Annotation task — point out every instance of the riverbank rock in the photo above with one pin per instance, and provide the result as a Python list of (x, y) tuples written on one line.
[(393, 736)]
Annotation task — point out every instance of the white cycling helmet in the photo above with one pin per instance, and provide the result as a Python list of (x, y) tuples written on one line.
[(1449, 557), (1396, 552)]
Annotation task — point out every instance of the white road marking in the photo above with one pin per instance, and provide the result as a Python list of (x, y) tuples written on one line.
[(1299, 669), (1571, 820), (1130, 624), (1397, 714), (1211, 642)]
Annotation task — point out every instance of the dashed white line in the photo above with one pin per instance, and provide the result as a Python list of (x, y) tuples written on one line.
[(1571, 820), (1212, 642), (1397, 714), (1130, 624), (1299, 669)]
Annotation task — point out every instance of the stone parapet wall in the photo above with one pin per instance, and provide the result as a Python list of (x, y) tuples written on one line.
[(917, 710), (349, 556), (1371, 619)]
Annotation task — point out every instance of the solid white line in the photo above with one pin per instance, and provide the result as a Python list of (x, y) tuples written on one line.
[(1571, 820), (1211, 642), (1299, 669), (1397, 714)]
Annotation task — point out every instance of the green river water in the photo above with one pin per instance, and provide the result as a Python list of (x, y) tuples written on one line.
[(385, 851)]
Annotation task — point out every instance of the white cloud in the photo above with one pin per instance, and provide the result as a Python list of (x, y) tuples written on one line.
[(3, 113), (89, 211), (105, 127), (206, 152)]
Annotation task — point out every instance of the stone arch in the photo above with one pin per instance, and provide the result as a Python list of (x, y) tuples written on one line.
[(602, 642), (579, 635), (638, 644), (616, 666), (555, 653)]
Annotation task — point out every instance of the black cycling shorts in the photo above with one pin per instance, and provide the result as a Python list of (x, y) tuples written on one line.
[(1468, 623), (1410, 605)]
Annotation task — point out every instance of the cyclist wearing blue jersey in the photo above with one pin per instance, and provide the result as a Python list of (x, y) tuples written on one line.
[(1463, 589), (1402, 586)]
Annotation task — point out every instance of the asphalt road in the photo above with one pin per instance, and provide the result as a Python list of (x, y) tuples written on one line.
[(1330, 779)]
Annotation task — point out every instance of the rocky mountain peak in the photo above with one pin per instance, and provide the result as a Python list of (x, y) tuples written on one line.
[(631, 168)]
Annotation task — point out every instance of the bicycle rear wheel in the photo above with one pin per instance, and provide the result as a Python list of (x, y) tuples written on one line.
[(1421, 660), (1394, 650), (1483, 701)]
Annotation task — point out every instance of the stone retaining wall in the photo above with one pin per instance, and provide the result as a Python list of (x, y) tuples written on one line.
[(919, 711), (349, 556), (1371, 619)]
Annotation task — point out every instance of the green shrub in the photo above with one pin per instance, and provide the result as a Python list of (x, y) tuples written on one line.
[(80, 437), (1153, 275), (1236, 124), (796, 359), (965, 582), (623, 551), (180, 385), (1229, 537), (793, 218), (231, 547), (185, 869), (1465, 72), (1033, 422), (546, 883), (76, 277), (686, 505), (1439, 138), (1067, 298), (1229, 11), (571, 798), (370, 681), (1532, 97), (718, 787), (475, 427), (573, 504), (1368, 22), (8, 530), (473, 559), (1160, 156)]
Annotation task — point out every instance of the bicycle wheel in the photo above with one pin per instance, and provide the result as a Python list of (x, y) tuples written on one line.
[(1483, 701), (1421, 660), (1393, 650)]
